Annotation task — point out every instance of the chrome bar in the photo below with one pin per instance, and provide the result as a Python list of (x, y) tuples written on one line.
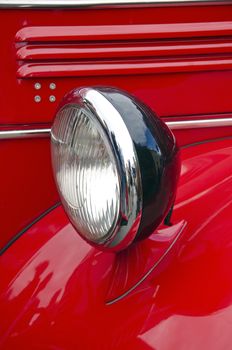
[(83, 3), (175, 125), (203, 123), (24, 134)]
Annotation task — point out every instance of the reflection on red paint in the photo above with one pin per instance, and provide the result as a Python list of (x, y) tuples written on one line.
[(54, 286)]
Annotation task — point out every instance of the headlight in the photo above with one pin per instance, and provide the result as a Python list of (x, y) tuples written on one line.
[(110, 157)]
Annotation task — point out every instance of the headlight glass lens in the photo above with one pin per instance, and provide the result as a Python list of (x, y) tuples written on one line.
[(86, 172)]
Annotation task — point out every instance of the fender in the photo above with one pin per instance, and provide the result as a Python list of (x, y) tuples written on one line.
[(54, 286)]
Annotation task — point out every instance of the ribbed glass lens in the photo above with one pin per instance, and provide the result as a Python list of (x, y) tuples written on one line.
[(86, 172)]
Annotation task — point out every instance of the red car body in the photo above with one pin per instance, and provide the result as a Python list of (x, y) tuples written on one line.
[(172, 290)]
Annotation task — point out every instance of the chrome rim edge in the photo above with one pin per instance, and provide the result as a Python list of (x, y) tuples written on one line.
[(131, 187), (84, 3), (175, 125)]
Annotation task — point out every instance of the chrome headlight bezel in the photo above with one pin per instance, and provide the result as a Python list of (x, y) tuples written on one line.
[(114, 129), (146, 156)]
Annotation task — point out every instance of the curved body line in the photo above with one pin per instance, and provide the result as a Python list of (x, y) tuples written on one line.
[(110, 302), (14, 238)]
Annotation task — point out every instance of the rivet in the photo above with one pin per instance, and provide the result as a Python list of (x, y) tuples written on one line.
[(37, 98), (37, 86), (52, 86), (52, 98)]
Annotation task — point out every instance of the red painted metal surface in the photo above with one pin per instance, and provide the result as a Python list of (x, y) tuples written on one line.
[(60, 51), (177, 59), (190, 86), (133, 67), (55, 290), (108, 36), (171, 94), (54, 287), (126, 31), (27, 187)]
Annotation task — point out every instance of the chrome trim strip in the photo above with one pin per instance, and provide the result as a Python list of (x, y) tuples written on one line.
[(175, 125), (203, 123), (84, 3), (24, 134)]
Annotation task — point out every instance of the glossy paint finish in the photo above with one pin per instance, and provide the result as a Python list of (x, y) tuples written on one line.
[(34, 184), (27, 187), (211, 24), (59, 70), (56, 291), (25, 169), (33, 52), (123, 32), (156, 51), (55, 285)]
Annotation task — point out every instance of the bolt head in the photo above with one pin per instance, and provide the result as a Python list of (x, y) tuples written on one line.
[(52, 86), (52, 98), (37, 98), (37, 86)]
